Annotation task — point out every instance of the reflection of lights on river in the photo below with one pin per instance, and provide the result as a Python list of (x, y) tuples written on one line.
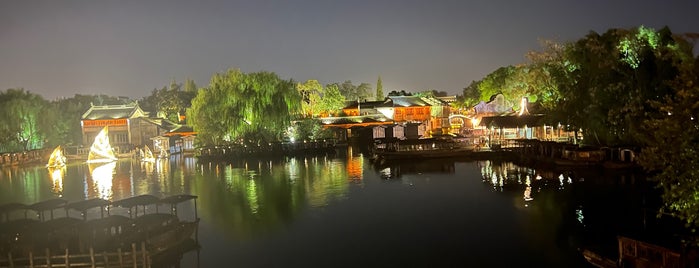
[(251, 189), (528, 189), (580, 216), (57, 178), (102, 176)]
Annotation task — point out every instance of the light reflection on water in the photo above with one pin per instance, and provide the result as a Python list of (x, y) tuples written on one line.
[(445, 208)]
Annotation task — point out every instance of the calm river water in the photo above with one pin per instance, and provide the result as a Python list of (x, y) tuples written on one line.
[(343, 211)]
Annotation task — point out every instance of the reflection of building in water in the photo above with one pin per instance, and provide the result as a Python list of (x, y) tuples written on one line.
[(355, 165), (396, 170)]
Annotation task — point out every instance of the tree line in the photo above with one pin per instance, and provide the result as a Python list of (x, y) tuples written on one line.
[(625, 87), (634, 87)]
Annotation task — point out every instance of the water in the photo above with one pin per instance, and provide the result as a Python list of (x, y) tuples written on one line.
[(344, 211)]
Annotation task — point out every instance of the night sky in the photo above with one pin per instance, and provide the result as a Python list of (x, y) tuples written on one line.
[(128, 48)]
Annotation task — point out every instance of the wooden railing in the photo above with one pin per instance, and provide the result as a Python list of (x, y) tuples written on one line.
[(134, 258)]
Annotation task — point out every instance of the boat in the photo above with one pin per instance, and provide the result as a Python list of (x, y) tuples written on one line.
[(134, 202), (433, 153), (57, 158), (101, 151), (422, 148), (161, 231), (147, 155), (84, 206)]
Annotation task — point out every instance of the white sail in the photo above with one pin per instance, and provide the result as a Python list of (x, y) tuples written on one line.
[(101, 151), (147, 155), (57, 158)]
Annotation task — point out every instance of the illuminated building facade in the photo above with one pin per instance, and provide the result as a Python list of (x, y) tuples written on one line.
[(403, 117), (128, 124)]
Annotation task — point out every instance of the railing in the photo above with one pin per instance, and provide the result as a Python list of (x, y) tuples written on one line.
[(134, 258)]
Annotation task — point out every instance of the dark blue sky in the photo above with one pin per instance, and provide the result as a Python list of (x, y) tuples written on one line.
[(127, 48)]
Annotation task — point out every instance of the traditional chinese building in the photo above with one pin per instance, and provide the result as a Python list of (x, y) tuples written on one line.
[(129, 125), (403, 117)]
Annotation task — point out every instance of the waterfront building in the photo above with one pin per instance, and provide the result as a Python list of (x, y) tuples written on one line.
[(130, 126), (402, 117)]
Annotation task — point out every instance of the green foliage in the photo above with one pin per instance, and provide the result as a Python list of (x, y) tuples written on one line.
[(311, 95), (332, 101), (309, 129), (352, 92), (609, 80), (24, 120), (379, 90), (672, 152), (244, 108)]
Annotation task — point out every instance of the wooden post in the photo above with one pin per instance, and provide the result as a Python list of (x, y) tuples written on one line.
[(92, 257), (31, 259), (106, 259), (133, 254), (9, 258), (67, 258), (48, 258), (143, 252), (121, 258)]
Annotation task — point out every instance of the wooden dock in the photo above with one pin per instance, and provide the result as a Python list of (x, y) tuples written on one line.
[(121, 259)]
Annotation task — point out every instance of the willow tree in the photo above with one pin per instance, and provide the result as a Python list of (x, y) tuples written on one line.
[(244, 108), (24, 120)]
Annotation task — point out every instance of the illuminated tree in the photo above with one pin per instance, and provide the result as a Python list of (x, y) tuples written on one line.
[(23, 123), (332, 101), (311, 94), (672, 153), (609, 79), (244, 108)]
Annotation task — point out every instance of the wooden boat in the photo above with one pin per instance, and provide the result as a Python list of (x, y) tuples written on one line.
[(85, 205), (135, 202), (101, 151), (57, 158), (433, 153), (619, 165), (50, 205), (161, 231), (106, 233), (598, 260)]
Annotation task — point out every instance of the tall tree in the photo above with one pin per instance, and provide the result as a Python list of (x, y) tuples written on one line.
[(311, 94), (23, 120), (379, 90), (352, 92), (332, 101), (244, 108)]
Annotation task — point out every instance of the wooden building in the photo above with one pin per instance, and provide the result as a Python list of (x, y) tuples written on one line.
[(403, 117), (129, 125)]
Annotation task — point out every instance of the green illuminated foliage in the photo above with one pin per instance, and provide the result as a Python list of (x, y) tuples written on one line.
[(23, 120), (673, 140), (244, 108)]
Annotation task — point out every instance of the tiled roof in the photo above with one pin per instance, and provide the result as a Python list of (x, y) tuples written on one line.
[(407, 101), (113, 112)]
